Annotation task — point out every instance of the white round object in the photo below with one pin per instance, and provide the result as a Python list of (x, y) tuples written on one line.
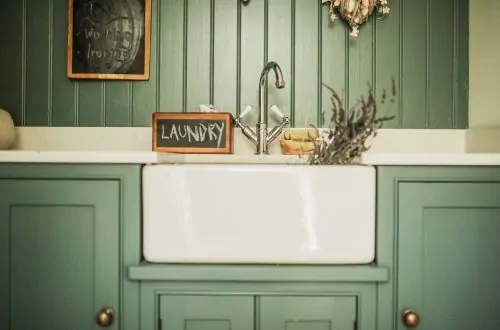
[(7, 130)]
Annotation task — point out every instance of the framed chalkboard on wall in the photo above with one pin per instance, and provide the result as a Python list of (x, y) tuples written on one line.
[(109, 39)]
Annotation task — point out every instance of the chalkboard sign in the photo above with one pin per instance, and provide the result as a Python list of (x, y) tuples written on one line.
[(109, 39), (193, 132)]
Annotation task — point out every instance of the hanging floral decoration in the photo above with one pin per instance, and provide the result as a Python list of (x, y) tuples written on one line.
[(356, 12)]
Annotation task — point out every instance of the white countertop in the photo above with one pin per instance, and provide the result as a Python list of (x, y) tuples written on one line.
[(133, 146), (147, 157)]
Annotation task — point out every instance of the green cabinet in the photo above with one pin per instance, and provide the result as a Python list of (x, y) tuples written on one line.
[(206, 312), (264, 312), (60, 246), (308, 313), (446, 226), (264, 297), (225, 312), (60, 238), (70, 245)]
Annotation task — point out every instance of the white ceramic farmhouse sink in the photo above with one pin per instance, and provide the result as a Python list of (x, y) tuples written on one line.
[(259, 214)]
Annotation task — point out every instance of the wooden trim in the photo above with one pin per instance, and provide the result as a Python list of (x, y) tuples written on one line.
[(258, 273), (226, 116), (111, 76)]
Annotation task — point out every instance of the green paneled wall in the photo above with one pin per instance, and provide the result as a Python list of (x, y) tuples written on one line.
[(212, 51)]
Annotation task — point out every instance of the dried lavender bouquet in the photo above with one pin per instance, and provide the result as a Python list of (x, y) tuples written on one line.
[(347, 137)]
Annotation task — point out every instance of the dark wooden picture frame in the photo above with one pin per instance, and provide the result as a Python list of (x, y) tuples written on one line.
[(109, 39), (217, 116)]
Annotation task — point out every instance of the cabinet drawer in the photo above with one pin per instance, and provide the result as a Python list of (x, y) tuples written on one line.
[(307, 313), (206, 312), (238, 312)]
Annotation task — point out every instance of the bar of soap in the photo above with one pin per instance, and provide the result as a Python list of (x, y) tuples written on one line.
[(7, 130), (291, 147), (309, 135)]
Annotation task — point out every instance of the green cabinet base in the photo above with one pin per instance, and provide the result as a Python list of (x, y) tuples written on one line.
[(264, 305), (63, 230), (207, 312), (70, 245), (438, 231), (238, 312), (261, 297)]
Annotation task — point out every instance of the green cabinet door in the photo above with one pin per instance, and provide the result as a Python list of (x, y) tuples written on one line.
[(307, 313), (448, 254), (59, 253), (206, 312)]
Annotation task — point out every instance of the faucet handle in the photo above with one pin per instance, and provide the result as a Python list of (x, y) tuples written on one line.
[(247, 131), (277, 111), (245, 111)]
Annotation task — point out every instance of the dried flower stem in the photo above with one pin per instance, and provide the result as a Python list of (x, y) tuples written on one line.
[(346, 139)]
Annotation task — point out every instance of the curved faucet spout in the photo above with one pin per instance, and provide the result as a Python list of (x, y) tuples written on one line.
[(263, 114), (280, 82)]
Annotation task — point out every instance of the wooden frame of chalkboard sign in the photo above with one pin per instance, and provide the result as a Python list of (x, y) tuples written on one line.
[(193, 132), (109, 39)]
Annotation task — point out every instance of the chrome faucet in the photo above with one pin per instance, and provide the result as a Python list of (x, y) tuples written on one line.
[(262, 138)]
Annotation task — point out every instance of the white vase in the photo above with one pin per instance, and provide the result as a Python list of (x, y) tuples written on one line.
[(7, 130)]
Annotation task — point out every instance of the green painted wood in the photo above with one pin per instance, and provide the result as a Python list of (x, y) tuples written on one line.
[(361, 72), (145, 95), (306, 75), (414, 64), (252, 27), (448, 243), (388, 42), (224, 55), (178, 312), (461, 60), (170, 50), (60, 240), (241, 273), (333, 58), (38, 78), (117, 108), (13, 60), (291, 294), (435, 227), (213, 52), (91, 97), (69, 232), (65, 103), (279, 44), (439, 89), (198, 33), (307, 313)]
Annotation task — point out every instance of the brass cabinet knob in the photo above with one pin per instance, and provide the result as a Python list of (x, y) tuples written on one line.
[(105, 317), (410, 318)]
